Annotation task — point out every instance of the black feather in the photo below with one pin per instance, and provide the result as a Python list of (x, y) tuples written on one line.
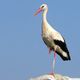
[(63, 46)]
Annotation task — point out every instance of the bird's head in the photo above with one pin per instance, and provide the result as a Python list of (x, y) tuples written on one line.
[(43, 7)]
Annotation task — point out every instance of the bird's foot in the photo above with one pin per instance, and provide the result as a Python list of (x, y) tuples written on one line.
[(52, 73)]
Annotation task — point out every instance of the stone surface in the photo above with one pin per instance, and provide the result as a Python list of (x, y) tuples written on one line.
[(51, 77)]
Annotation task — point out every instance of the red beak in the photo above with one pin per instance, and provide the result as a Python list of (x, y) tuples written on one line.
[(38, 11)]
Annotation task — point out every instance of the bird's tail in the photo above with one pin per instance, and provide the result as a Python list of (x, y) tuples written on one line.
[(65, 56)]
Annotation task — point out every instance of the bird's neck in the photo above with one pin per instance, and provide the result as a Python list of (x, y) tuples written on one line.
[(44, 14), (44, 21), (45, 25)]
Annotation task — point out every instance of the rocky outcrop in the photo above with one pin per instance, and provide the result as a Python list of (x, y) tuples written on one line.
[(54, 77)]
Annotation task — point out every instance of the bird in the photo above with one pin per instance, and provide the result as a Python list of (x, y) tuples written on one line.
[(52, 38)]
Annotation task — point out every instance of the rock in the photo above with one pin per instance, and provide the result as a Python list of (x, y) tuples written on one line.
[(51, 77)]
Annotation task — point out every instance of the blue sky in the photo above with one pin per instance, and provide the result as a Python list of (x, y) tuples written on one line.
[(22, 51)]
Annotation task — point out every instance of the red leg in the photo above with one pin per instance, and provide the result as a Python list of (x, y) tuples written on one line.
[(53, 63), (55, 55), (51, 73), (54, 60)]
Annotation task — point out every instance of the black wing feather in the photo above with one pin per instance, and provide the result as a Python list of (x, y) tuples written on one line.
[(63, 46)]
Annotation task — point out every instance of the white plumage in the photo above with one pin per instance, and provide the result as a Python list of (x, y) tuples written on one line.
[(51, 37)]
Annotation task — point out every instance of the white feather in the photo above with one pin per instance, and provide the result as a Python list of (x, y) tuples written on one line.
[(55, 35)]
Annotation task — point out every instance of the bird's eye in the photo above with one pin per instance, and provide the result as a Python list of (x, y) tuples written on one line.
[(42, 6)]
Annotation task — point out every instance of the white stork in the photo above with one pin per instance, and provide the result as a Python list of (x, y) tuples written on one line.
[(51, 37)]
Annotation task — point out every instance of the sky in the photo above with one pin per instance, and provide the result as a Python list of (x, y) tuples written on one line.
[(23, 54)]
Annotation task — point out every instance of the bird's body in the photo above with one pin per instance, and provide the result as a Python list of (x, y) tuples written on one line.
[(51, 37), (54, 40)]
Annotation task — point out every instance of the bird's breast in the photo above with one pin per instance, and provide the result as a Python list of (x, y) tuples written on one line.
[(47, 35), (48, 40)]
